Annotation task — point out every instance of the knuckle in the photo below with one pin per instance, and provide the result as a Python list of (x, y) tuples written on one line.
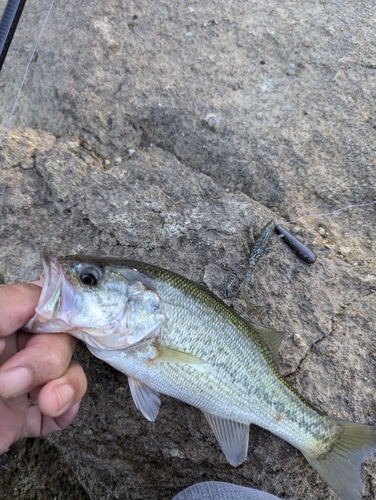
[(78, 378), (52, 366), (58, 359)]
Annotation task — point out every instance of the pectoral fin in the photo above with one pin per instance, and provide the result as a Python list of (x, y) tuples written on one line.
[(232, 436), (145, 399), (169, 355), (272, 338)]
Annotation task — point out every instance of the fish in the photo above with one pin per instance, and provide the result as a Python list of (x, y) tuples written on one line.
[(172, 336)]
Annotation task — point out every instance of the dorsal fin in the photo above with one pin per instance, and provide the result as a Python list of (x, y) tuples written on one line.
[(272, 338)]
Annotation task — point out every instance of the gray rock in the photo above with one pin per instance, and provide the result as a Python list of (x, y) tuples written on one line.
[(290, 70), (122, 80), (153, 208), (125, 75), (211, 121)]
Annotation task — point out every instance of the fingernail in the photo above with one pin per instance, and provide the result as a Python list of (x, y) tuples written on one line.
[(65, 394), (14, 382)]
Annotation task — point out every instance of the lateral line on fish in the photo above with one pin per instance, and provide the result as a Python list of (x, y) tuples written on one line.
[(7, 125)]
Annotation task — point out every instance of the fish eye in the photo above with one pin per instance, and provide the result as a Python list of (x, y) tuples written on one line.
[(90, 276)]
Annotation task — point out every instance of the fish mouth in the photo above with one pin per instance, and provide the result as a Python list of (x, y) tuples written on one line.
[(56, 300)]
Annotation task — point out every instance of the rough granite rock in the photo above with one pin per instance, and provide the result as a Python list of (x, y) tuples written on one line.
[(33, 469), (163, 131), (153, 208), (125, 74)]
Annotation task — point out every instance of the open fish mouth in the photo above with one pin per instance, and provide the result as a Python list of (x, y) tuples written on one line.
[(56, 300)]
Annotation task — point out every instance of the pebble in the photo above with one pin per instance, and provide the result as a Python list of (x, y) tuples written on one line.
[(344, 251), (211, 120), (290, 71), (73, 144), (299, 341), (211, 22), (321, 231), (326, 252)]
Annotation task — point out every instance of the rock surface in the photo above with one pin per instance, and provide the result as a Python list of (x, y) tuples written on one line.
[(33, 469), (163, 133), (151, 207)]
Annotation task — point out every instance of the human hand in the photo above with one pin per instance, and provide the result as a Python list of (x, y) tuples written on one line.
[(34, 367)]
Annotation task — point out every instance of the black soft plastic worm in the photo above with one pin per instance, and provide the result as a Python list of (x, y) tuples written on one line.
[(299, 248)]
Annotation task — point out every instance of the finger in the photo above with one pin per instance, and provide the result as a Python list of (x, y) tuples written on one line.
[(12, 420), (45, 357), (17, 306), (56, 397), (2, 346), (50, 424), (40, 425), (9, 347)]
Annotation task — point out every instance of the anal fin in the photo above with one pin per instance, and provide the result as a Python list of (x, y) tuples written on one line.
[(232, 436), (145, 399)]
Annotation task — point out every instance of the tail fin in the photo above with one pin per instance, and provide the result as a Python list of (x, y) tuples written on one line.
[(340, 468)]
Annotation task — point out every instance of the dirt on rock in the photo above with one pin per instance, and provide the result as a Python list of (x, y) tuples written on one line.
[(34, 469)]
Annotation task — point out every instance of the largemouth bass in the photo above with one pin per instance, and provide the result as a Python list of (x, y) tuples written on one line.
[(172, 336)]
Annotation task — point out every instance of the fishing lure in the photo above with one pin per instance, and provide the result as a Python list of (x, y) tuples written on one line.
[(299, 248)]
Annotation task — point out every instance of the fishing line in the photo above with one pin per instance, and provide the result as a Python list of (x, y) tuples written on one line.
[(301, 250), (328, 213), (26, 72)]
